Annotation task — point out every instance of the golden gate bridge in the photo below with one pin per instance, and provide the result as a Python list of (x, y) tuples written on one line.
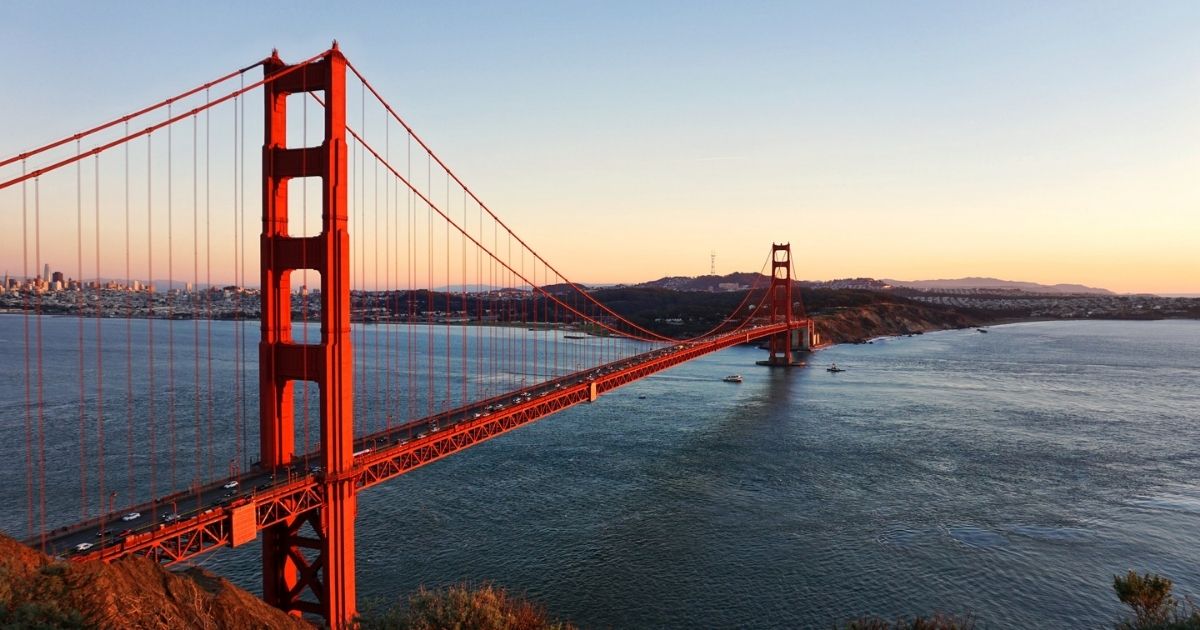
[(350, 196)]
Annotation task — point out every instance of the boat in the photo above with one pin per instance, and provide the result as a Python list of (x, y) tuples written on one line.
[(733, 378), (834, 368), (982, 330), (575, 336)]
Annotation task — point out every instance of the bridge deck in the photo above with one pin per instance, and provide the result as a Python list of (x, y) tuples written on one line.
[(216, 516)]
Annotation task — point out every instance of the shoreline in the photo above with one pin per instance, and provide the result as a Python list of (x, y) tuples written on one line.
[(922, 326), (1002, 321)]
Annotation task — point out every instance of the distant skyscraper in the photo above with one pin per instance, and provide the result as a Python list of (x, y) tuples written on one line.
[(56, 276), (46, 272)]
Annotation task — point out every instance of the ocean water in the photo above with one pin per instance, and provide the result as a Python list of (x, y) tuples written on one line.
[(1005, 475)]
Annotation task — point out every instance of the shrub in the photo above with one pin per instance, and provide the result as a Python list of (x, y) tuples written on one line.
[(1154, 607), (1149, 595), (461, 607)]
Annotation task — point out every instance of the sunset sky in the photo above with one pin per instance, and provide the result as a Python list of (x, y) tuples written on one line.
[(1038, 141)]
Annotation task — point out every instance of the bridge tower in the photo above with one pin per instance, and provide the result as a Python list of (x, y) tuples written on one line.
[(308, 561), (783, 344)]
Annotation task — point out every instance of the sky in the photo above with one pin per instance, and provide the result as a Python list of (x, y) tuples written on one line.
[(625, 141)]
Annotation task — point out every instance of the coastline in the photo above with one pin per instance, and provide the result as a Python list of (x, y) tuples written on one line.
[(933, 327)]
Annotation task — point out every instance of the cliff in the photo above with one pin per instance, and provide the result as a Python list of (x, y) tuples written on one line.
[(854, 324), (36, 591)]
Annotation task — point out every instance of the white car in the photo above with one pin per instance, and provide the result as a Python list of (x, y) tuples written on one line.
[(83, 546), (231, 485), (132, 516), (170, 518)]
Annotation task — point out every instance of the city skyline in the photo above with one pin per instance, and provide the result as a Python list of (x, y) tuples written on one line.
[(1053, 144)]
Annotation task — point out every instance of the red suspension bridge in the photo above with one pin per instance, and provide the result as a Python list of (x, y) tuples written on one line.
[(434, 328)]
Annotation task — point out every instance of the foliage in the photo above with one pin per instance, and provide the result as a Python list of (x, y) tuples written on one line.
[(45, 612), (39, 616), (461, 607), (1154, 607), (1149, 595)]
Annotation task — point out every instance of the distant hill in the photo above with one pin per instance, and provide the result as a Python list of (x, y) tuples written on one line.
[(706, 283), (469, 288), (730, 281), (995, 283), (563, 288)]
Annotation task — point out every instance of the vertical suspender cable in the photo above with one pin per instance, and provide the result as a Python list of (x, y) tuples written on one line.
[(79, 301), (358, 218), (429, 393), (523, 331), (208, 289), (197, 429), (238, 420), (481, 291), (241, 148), (41, 407), (375, 331), (102, 494), (171, 300), (151, 394), (411, 276), (524, 320), (131, 488), (401, 330), (27, 372), (388, 389), (466, 309), (449, 307)]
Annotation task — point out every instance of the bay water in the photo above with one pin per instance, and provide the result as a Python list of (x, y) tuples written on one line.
[(1006, 475)]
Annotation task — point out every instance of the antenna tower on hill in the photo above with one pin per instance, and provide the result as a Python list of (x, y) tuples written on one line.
[(712, 267)]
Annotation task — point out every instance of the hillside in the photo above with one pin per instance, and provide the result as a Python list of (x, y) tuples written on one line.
[(854, 324), (136, 593), (844, 315), (996, 283), (704, 283)]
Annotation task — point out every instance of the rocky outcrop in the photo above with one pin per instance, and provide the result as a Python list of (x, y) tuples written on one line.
[(129, 593), (855, 324)]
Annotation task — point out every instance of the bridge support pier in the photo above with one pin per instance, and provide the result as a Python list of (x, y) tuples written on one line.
[(308, 561)]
